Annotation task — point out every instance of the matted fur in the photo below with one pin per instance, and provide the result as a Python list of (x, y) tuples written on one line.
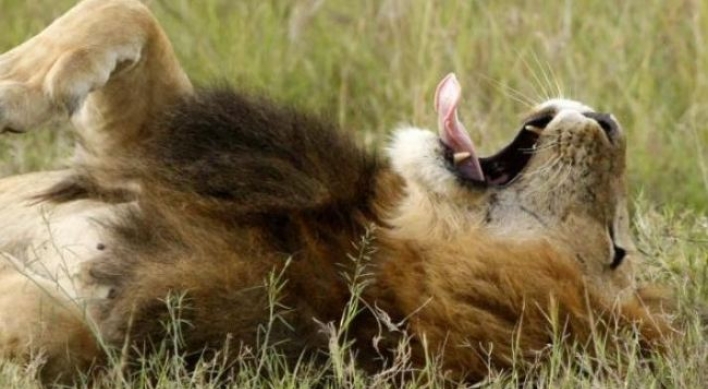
[(202, 196)]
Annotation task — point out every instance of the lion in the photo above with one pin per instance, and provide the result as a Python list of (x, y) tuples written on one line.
[(202, 194)]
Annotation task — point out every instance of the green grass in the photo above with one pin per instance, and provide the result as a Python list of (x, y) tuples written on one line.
[(373, 64)]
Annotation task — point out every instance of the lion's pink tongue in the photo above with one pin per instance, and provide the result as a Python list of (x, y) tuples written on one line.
[(452, 131)]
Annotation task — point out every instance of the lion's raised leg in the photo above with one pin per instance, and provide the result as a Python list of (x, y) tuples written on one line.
[(108, 66)]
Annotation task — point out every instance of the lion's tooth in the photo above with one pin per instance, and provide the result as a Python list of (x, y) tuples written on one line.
[(461, 157), (534, 129)]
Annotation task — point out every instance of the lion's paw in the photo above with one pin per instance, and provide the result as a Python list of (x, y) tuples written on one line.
[(22, 106)]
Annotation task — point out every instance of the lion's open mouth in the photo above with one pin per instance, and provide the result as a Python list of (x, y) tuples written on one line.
[(506, 165), (459, 151)]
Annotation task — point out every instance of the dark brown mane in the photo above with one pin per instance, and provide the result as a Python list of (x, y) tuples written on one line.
[(233, 187), (259, 156)]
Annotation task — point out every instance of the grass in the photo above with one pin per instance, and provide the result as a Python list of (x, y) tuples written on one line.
[(372, 64)]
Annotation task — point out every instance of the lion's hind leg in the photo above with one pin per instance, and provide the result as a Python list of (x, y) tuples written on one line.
[(39, 323)]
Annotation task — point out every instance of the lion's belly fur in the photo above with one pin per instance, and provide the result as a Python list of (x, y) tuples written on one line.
[(42, 291), (44, 239)]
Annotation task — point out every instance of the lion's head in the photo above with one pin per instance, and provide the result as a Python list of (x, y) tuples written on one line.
[(561, 179)]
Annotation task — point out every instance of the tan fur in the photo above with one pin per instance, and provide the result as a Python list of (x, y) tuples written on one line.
[(473, 271)]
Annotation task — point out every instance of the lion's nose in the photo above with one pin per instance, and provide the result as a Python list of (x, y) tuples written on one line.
[(606, 122)]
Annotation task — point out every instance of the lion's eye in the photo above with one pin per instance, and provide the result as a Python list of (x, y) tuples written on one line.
[(618, 257), (618, 252)]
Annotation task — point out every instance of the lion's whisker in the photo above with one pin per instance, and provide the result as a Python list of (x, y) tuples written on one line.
[(536, 150), (510, 91)]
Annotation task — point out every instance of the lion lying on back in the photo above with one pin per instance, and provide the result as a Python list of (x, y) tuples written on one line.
[(204, 194)]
